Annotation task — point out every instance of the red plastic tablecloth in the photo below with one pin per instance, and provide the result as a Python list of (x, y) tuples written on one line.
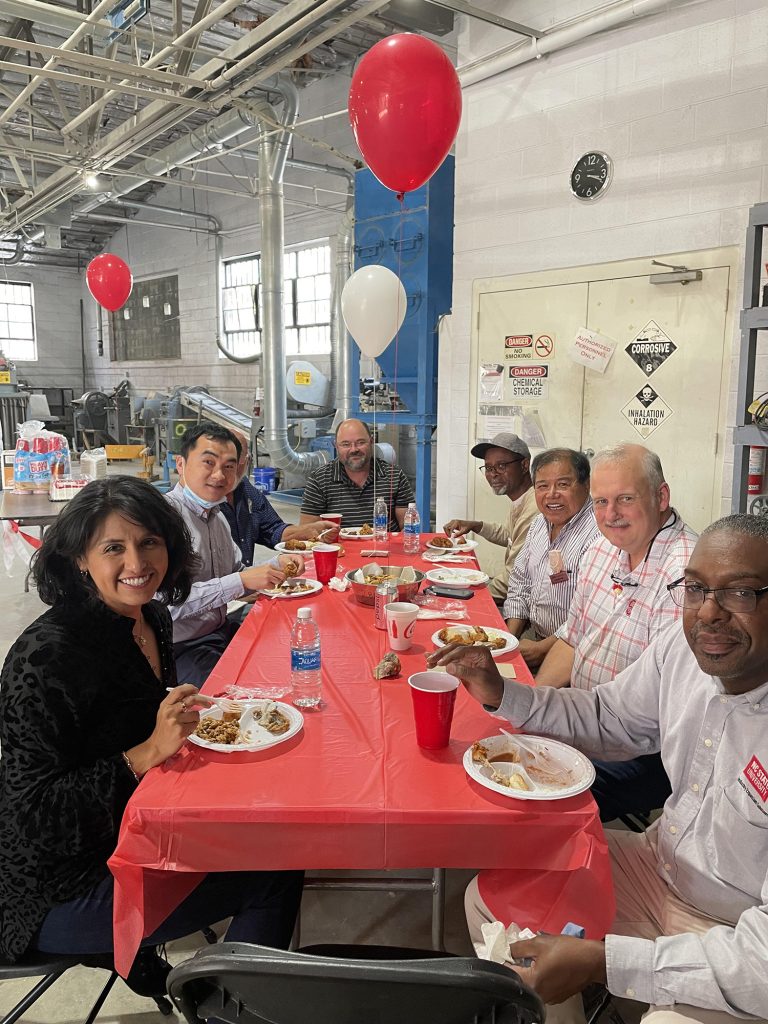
[(352, 790)]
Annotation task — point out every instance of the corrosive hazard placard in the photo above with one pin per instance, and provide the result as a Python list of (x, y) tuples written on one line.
[(518, 346), (650, 348), (646, 411), (528, 382)]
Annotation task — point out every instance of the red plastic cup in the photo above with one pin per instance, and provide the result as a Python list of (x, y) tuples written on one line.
[(326, 556), (434, 694), (332, 517)]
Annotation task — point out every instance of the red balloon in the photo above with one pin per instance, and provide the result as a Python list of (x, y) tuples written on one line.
[(405, 108), (109, 280)]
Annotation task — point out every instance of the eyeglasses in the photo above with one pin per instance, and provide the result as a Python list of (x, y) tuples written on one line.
[(347, 446), (730, 599), (623, 582), (498, 468)]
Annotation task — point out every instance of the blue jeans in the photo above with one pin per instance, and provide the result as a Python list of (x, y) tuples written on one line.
[(630, 787), (262, 904)]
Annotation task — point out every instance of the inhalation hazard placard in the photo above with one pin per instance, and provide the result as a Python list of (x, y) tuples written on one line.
[(646, 411)]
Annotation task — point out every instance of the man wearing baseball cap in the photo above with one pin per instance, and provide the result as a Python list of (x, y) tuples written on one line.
[(506, 465)]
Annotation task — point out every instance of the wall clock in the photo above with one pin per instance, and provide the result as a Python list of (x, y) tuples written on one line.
[(591, 176)]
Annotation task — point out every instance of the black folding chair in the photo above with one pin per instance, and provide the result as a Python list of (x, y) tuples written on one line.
[(49, 967), (244, 984)]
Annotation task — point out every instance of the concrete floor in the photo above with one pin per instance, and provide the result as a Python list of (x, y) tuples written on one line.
[(329, 916)]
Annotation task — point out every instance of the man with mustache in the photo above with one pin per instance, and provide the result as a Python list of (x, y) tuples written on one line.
[(622, 603), (690, 936)]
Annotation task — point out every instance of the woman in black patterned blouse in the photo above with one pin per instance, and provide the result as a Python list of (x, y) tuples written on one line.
[(84, 713)]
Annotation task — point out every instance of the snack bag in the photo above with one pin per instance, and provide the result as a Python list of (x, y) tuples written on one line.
[(31, 470)]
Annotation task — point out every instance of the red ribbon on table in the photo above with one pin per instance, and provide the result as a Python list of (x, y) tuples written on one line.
[(33, 542)]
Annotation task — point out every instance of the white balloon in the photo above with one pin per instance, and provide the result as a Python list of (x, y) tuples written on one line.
[(373, 305)]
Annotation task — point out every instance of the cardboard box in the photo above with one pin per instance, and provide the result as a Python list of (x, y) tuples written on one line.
[(124, 451), (7, 467)]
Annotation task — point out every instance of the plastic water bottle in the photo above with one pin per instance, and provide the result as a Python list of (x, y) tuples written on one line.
[(380, 522), (412, 530), (305, 660)]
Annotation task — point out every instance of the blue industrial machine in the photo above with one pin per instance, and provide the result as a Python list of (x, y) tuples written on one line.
[(415, 240)]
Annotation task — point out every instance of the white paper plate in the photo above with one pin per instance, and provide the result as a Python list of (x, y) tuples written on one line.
[(457, 577), (281, 594), (511, 643), (259, 738), (456, 549), (304, 554), (582, 769), (353, 533)]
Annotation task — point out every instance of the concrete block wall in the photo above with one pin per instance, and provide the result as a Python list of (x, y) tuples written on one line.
[(57, 324), (679, 100), (313, 205)]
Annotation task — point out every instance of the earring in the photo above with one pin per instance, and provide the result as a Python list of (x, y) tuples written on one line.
[(84, 573)]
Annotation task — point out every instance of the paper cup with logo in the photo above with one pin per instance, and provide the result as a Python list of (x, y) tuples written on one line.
[(326, 556), (434, 694), (401, 622), (332, 517)]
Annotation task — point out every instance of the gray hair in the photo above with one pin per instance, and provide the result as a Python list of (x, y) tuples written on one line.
[(740, 522), (578, 460), (624, 451)]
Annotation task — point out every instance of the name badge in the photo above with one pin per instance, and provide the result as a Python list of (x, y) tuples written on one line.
[(559, 577)]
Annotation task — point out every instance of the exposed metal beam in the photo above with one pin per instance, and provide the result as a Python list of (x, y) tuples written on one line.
[(461, 7), (95, 63), (185, 60), (95, 83)]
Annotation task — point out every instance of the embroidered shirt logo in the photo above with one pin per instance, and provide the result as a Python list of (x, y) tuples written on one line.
[(757, 776)]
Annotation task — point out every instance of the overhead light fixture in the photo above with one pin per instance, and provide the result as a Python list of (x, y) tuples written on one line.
[(91, 180)]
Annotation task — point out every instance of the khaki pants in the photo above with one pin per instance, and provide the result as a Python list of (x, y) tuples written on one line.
[(645, 908)]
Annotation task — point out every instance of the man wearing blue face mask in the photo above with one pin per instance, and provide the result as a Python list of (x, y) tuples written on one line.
[(207, 468)]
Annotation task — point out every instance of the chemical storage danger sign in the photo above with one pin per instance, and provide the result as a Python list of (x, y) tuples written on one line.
[(650, 348), (646, 411), (528, 382)]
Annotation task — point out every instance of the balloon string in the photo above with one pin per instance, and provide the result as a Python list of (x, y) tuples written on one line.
[(400, 199)]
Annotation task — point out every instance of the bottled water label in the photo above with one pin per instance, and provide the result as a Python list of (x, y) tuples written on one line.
[(305, 661)]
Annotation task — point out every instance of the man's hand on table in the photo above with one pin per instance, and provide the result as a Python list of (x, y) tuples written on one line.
[(459, 527), (476, 669), (533, 652), (561, 966), (264, 577), (311, 531)]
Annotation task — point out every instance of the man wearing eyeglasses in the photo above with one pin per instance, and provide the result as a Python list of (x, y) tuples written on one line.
[(506, 467), (690, 935), (350, 483), (622, 603)]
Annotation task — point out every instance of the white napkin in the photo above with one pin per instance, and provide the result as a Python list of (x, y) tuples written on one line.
[(497, 939), (435, 613), (340, 583)]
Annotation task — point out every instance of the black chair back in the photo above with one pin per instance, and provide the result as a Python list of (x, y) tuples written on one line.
[(245, 984)]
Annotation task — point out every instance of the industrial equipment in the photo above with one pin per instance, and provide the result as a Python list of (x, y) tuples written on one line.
[(102, 417)]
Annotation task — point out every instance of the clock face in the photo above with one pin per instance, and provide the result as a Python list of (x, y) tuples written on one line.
[(591, 176)]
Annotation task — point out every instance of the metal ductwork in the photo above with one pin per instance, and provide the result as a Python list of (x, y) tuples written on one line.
[(344, 382), (16, 257), (273, 150)]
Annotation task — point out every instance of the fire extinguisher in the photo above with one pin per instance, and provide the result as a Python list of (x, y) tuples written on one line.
[(756, 470)]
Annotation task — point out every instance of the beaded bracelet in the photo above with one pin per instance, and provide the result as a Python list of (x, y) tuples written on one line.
[(130, 767)]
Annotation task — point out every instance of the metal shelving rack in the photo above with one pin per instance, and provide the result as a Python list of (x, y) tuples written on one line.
[(754, 318)]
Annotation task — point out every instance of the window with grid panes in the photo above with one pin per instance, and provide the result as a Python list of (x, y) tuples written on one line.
[(306, 302), (17, 321)]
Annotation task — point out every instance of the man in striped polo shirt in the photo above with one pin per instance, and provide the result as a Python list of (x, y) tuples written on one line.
[(350, 483)]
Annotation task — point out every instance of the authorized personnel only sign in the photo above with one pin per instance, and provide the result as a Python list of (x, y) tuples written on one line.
[(528, 382)]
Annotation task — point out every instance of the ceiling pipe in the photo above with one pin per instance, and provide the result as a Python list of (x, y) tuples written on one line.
[(558, 39), (111, 219), (342, 271), (15, 257), (192, 214)]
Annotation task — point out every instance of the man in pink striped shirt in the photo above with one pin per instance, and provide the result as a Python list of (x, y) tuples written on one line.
[(621, 602)]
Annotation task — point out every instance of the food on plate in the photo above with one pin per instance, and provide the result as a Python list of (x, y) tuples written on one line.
[(540, 766), (388, 667), (460, 540), (471, 636), (214, 730), (442, 542), (366, 530), (511, 781), (271, 718), (297, 545), (291, 568), (291, 586)]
